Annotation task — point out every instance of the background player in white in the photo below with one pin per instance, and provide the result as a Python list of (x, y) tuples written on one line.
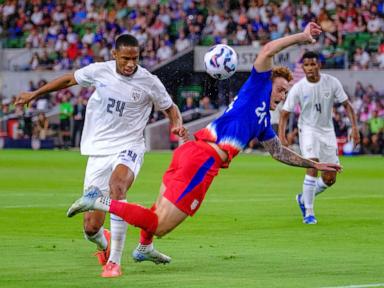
[(116, 115), (316, 94)]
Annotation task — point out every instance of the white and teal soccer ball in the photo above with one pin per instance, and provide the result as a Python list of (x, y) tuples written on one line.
[(220, 61)]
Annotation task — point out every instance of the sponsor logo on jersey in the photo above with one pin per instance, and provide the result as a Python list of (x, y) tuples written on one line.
[(101, 85)]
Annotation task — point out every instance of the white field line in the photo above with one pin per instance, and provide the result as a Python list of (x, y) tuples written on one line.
[(253, 200), (33, 206), (359, 286)]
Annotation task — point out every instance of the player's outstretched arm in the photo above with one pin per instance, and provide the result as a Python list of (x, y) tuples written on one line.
[(287, 156), (65, 81), (282, 126), (263, 61), (176, 121)]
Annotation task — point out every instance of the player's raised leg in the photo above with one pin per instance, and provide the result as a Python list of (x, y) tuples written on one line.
[(166, 217), (96, 179), (94, 231)]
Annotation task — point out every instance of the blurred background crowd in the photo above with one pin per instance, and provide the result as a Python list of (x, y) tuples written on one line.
[(76, 33), (67, 35)]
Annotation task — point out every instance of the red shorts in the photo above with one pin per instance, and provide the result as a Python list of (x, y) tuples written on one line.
[(192, 169)]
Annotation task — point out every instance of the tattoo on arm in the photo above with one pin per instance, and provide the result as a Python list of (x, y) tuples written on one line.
[(285, 155)]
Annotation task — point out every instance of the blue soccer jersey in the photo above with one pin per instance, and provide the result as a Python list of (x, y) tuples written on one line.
[(246, 118)]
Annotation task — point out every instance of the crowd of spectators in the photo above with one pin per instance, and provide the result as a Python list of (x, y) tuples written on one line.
[(67, 108), (33, 122), (369, 105), (72, 34), (69, 35)]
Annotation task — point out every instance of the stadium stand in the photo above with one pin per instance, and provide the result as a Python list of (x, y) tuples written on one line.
[(66, 35)]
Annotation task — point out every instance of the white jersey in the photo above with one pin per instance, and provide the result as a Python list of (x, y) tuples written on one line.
[(316, 101), (118, 110)]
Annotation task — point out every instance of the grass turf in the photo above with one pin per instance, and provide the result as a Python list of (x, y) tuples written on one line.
[(248, 232)]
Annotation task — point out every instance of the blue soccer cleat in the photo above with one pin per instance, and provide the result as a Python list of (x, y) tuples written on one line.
[(310, 219), (153, 256), (301, 205)]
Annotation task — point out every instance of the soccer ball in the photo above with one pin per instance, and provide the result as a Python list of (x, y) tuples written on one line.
[(220, 61)]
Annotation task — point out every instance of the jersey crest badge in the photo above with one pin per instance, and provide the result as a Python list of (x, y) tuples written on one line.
[(136, 94), (327, 94)]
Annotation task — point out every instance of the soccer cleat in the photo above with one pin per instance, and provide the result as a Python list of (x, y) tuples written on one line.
[(85, 203), (301, 205), (111, 270), (310, 219), (103, 255), (153, 255)]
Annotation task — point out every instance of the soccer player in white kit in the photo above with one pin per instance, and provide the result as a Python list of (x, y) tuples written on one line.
[(316, 94), (116, 115)]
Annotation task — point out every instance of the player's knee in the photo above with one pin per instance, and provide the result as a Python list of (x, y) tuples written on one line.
[(160, 232), (329, 180), (91, 229), (162, 228)]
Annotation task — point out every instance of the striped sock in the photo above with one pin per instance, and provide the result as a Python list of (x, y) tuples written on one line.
[(98, 238), (320, 185), (118, 235), (309, 187)]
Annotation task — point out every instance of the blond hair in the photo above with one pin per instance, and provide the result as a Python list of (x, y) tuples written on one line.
[(281, 71)]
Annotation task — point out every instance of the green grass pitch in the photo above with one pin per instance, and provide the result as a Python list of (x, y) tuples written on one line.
[(248, 232)]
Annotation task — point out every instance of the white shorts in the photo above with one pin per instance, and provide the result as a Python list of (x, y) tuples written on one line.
[(99, 168), (318, 144)]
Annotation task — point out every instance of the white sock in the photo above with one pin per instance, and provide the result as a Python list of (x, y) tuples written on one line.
[(144, 248), (309, 187), (99, 239), (320, 185), (118, 233), (103, 203)]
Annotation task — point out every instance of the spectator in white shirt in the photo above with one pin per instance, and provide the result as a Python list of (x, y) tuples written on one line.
[(361, 59), (182, 42), (374, 24), (88, 37), (164, 52), (37, 16)]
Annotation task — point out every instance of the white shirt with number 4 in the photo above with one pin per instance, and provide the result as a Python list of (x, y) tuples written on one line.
[(316, 101), (119, 108)]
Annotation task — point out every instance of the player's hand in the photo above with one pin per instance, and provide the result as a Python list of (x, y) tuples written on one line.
[(328, 167), (24, 98), (355, 136), (311, 31), (182, 132)]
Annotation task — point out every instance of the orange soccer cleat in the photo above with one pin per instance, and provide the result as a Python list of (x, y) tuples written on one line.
[(111, 270), (103, 255)]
